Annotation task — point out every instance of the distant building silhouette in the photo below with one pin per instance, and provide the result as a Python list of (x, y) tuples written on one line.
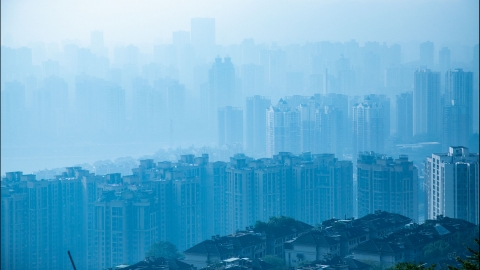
[(221, 80), (405, 116), (426, 54), (369, 126), (230, 126), (426, 103), (255, 123), (283, 129)]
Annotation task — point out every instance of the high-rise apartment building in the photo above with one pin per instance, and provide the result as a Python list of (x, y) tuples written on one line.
[(456, 128), (459, 91), (444, 59), (387, 184), (109, 220), (222, 83), (51, 221), (13, 111), (230, 126), (283, 129), (269, 190), (333, 131), (253, 79), (405, 116), (99, 105), (306, 192), (255, 123), (335, 181), (216, 210), (426, 54), (187, 217), (426, 103), (309, 123), (384, 105), (239, 194), (369, 121), (14, 225), (452, 184)]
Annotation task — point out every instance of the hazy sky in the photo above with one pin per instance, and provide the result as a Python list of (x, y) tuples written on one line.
[(145, 21)]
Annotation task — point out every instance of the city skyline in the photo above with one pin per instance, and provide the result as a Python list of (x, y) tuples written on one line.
[(356, 19), (247, 134)]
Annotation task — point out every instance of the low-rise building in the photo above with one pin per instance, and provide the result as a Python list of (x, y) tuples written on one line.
[(241, 244), (311, 246)]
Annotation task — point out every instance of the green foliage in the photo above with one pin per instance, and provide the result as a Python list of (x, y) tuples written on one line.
[(164, 249), (373, 265), (439, 249), (436, 249), (411, 266), (472, 262), (304, 263), (275, 261), (277, 222)]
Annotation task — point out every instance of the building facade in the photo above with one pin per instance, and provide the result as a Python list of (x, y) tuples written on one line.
[(452, 184), (387, 184)]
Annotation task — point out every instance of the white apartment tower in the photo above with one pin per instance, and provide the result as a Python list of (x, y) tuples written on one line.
[(451, 181), (283, 129), (369, 121), (426, 102)]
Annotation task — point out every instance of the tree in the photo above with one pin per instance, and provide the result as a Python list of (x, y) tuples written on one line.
[(472, 262), (164, 249), (278, 222), (436, 249), (412, 266), (277, 262)]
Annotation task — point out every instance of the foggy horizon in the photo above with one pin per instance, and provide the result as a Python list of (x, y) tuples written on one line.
[(152, 22), (280, 134)]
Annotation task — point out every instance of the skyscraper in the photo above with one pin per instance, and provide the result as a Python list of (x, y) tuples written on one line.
[(456, 129), (444, 59), (334, 136), (309, 125), (369, 122), (13, 111), (405, 116), (426, 103), (452, 184), (222, 83), (283, 129), (255, 123), (230, 126), (459, 89), (335, 181), (426, 54), (239, 194), (387, 184)]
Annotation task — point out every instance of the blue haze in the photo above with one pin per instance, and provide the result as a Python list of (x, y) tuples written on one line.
[(176, 95)]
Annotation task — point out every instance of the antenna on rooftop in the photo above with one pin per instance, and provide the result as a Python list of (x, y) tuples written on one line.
[(71, 260)]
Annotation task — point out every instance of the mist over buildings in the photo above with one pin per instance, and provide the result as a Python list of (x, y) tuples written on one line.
[(118, 79), (254, 109)]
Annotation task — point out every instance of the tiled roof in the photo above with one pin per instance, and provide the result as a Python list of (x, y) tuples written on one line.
[(379, 246), (226, 244), (159, 263), (316, 238)]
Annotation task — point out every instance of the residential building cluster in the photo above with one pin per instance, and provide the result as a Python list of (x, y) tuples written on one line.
[(108, 219), (112, 219), (341, 98)]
